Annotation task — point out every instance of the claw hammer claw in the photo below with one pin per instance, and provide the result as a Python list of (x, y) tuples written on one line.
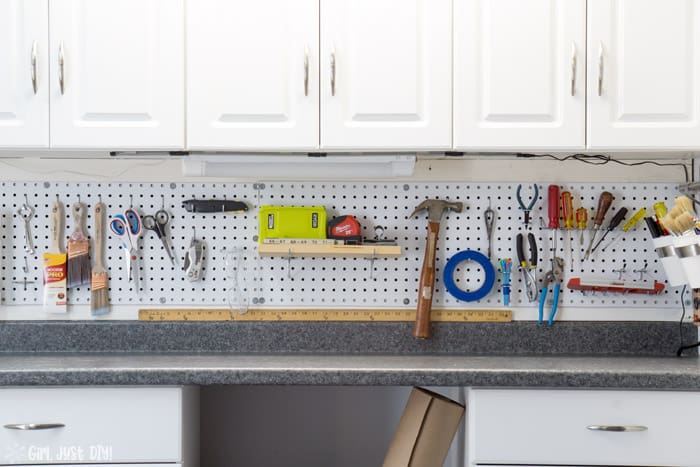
[(436, 208)]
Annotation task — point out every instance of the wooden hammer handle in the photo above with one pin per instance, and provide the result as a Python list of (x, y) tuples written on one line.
[(426, 285)]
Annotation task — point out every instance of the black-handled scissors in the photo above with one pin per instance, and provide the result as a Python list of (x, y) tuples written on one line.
[(157, 224)]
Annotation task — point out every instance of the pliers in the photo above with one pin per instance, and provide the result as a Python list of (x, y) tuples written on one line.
[(528, 268), (554, 275), (528, 208)]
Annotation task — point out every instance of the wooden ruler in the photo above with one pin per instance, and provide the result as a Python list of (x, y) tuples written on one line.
[(288, 314)]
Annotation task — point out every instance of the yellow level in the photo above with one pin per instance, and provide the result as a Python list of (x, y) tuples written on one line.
[(288, 314)]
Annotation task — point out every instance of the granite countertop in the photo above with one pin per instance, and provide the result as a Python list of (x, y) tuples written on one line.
[(424, 370), (634, 355)]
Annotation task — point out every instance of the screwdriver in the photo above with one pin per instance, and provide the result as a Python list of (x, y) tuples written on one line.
[(661, 210), (630, 223), (604, 202), (567, 213), (614, 222), (581, 221), (553, 211)]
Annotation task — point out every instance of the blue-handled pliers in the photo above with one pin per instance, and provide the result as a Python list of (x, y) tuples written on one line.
[(528, 208), (554, 275)]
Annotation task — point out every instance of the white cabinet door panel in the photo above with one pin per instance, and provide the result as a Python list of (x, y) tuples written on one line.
[(386, 74), (24, 41), (123, 73), (519, 70), (252, 74), (646, 54)]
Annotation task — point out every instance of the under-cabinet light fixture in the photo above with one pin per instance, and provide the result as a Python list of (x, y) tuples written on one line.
[(341, 167)]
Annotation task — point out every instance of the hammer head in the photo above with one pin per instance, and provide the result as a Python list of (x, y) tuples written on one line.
[(436, 207)]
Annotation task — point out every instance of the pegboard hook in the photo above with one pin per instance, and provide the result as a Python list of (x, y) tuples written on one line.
[(162, 202), (131, 201), (371, 263), (289, 263)]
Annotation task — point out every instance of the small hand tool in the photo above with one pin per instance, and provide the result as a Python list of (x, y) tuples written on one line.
[(567, 213), (506, 266), (604, 202), (345, 228), (581, 221), (614, 222), (127, 227), (661, 210), (553, 211), (528, 268), (55, 292), (194, 258), (628, 225), (214, 205), (99, 287), (436, 208), (489, 217), (553, 276), (526, 209), (26, 212), (158, 224)]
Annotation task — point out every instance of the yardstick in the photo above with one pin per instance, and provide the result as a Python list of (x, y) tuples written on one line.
[(263, 314)]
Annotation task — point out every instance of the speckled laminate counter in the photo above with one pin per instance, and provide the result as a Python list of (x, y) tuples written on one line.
[(498, 371)]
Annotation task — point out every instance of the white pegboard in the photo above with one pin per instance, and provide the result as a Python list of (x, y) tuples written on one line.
[(341, 282)]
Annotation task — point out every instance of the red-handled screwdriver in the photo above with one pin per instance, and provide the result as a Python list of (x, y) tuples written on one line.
[(567, 213), (553, 211)]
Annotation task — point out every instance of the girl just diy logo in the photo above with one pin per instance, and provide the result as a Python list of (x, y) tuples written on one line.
[(36, 453)]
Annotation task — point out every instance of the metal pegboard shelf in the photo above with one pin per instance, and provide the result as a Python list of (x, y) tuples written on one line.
[(319, 280)]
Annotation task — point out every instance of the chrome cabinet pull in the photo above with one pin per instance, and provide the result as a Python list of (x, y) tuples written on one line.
[(35, 85), (617, 428), (600, 68), (34, 426), (306, 71), (573, 68), (61, 61), (333, 71)]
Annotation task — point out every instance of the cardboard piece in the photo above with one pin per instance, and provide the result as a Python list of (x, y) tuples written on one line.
[(425, 432)]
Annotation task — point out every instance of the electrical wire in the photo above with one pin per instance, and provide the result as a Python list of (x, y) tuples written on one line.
[(602, 159), (681, 348)]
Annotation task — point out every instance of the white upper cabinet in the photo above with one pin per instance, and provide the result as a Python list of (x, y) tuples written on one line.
[(519, 74), (386, 74), (117, 74), (644, 74), (252, 74), (24, 73)]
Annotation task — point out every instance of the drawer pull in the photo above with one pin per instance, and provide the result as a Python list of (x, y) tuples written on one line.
[(617, 428), (34, 426)]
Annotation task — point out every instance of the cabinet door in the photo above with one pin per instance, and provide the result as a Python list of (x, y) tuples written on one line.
[(644, 74), (24, 73), (386, 74), (519, 70), (117, 69), (252, 74)]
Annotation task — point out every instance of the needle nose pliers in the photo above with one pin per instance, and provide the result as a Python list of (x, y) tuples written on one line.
[(526, 209)]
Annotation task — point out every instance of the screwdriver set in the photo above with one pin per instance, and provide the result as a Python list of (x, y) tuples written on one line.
[(317, 281)]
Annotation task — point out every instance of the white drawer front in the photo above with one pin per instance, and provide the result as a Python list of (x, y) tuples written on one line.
[(551, 427), (102, 425)]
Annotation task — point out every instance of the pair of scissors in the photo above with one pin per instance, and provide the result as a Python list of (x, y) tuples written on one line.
[(157, 224), (127, 227)]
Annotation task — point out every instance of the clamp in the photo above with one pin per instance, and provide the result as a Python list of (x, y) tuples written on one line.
[(528, 208), (528, 268)]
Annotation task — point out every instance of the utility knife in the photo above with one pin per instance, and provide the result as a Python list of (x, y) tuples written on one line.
[(214, 205)]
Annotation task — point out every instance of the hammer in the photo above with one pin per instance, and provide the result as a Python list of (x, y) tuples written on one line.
[(436, 208)]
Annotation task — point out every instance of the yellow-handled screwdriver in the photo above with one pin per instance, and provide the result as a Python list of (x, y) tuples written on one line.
[(630, 223), (581, 221), (567, 213)]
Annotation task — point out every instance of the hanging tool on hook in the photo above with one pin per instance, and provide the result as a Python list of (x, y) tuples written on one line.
[(489, 218), (26, 212), (604, 202), (526, 209), (194, 258), (628, 225), (567, 213), (581, 222), (553, 211), (528, 268), (614, 222)]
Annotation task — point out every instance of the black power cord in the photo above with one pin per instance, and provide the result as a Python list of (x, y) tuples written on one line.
[(682, 348), (602, 159)]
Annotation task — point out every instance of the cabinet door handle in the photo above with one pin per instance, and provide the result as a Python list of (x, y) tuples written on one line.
[(600, 68), (333, 71), (306, 71), (35, 85), (61, 62), (34, 426), (617, 428), (573, 68)]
